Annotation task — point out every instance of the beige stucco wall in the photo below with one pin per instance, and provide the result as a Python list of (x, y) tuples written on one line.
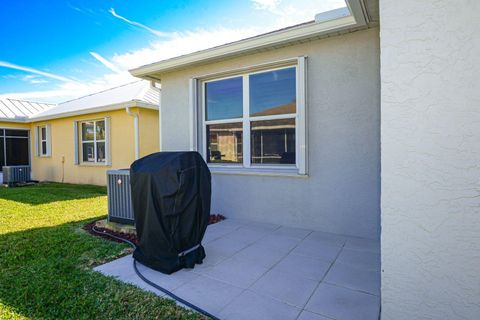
[(430, 159), (342, 191), (121, 143), (16, 125), (148, 131)]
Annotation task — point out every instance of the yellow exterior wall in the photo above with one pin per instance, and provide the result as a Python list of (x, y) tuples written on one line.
[(61, 167), (16, 125), (148, 131)]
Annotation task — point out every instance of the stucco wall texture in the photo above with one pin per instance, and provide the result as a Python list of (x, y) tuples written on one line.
[(342, 191), (430, 67)]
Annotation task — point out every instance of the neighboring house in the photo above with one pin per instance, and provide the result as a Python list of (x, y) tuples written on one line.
[(305, 127), (78, 140), (15, 132)]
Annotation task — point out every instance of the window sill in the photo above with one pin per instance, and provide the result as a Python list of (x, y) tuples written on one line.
[(269, 172), (85, 164), (44, 156)]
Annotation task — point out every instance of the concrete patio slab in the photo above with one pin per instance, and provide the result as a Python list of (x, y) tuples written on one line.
[(263, 271)]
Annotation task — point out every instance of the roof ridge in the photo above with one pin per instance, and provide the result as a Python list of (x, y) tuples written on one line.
[(105, 90)]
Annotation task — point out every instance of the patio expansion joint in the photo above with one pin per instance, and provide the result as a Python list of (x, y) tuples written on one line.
[(263, 274), (322, 280)]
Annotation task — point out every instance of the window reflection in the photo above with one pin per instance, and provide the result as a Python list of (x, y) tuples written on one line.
[(273, 141), (225, 143), (273, 92), (224, 99)]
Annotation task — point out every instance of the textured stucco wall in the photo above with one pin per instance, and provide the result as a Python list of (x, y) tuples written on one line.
[(342, 192), (430, 111)]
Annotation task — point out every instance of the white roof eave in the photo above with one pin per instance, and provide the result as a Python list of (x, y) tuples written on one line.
[(116, 106), (357, 19)]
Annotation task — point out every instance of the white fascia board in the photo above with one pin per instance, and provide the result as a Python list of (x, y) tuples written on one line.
[(276, 38), (111, 107), (14, 120)]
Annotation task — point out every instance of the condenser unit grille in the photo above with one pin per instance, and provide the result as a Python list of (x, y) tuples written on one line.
[(16, 174), (119, 196)]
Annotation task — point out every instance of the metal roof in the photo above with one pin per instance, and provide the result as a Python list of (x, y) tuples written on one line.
[(12, 109), (136, 94)]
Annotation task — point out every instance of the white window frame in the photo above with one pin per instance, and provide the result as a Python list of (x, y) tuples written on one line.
[(300, 166), (43, 152), (95, 141)]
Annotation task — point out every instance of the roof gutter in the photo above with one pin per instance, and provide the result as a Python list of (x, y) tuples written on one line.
[(356, 19), (136, 134)]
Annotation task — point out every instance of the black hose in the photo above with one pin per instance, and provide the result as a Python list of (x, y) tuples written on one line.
[(141, 276)]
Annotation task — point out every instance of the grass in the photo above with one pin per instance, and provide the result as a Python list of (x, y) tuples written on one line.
[(46, 259)]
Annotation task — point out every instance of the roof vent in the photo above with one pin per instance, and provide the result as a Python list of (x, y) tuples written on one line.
[(332, 15)]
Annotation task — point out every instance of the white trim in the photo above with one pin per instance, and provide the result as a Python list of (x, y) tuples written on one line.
[(95, 141), (48, 140), (302, 119), (193, 110), (254, 171), (108, 151), (268, 40), (116, 106), (246, 121), (299, 167)]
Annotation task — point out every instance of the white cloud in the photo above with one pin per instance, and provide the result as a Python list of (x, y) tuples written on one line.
[(290, 12), (182, 43), (34, 71), (105, 62), (270, 5), (283, 13), (138, 24)]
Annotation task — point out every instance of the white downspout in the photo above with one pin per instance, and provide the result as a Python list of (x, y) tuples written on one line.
[(135, 131)]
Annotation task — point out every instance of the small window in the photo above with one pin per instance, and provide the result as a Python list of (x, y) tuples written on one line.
[(43, 142), (93, 141), (260, 132)]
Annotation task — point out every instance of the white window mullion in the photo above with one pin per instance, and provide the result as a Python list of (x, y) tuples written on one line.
[(48, 140), (301, 125), (193, 108), (246, 122), (204, 125)]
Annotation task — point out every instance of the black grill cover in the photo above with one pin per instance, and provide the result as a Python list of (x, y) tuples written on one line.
[(171, 194)]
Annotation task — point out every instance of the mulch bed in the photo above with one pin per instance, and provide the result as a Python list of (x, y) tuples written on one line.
[(214, 218)]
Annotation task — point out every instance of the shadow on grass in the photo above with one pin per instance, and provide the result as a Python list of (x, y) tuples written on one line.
[(43, 193), (46, 275)]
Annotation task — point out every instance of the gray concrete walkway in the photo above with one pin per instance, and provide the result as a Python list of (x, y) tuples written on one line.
[(264, 271)]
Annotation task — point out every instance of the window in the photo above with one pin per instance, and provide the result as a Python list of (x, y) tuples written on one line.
[(93, 141), (14, 148), (255, 120), (43, 140)]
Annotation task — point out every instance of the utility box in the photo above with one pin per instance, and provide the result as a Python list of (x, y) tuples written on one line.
[(119, 196), (16, 174)]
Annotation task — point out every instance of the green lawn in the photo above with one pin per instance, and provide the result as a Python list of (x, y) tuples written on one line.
[(46, 259)]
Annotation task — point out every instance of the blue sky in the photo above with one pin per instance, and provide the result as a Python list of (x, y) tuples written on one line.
[(57, 50)]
